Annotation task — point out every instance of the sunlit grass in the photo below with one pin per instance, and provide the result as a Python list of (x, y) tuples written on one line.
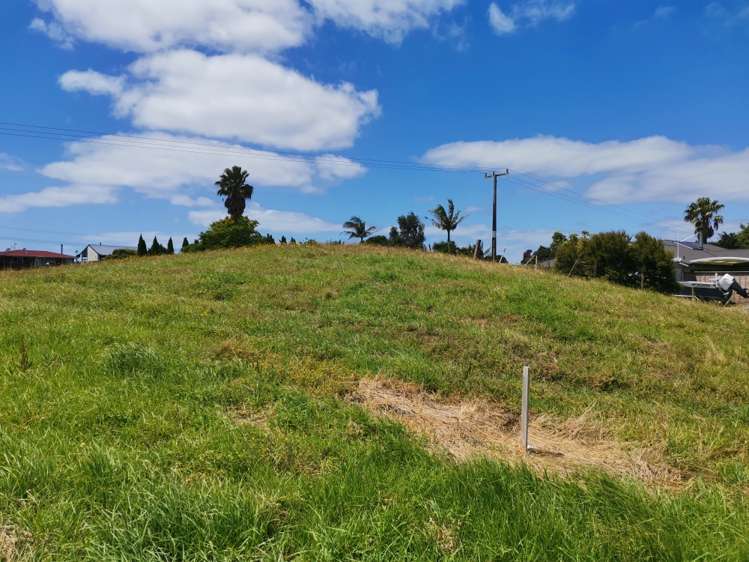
[(190, 408)]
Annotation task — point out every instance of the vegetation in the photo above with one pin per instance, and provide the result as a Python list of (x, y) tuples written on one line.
[(642, 263), (142, 248), (357, 228), (703, 214), (735, 240), (123, 253), (409, 233), (447, 219), (156, 248), (229, 233), (193, 408), (233, 187)]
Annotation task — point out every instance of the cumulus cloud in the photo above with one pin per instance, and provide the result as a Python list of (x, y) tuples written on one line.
[(648, 169), (148, 26), (390, 20), (145, 26), (169, 164), (58, 197), (332, 167), (178, 169), (271, 220), (93, 82), (528, 13), (244, 97)]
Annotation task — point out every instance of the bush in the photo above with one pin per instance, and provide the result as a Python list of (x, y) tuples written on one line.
[(615, 256), (229, 233), (121, 254), (378, 240)]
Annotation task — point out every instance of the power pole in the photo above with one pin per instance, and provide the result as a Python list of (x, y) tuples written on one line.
[(495, 176)]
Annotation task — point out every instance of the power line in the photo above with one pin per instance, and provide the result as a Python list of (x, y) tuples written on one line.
[(136, 141)]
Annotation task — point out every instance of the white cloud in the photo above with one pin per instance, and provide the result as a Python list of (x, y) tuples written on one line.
[(528, 13), (54, 31), (168, 165), (92, 82), (554, 156), (501, 23), (332, 167), (241, 97), (390, 20), (266, 26), (533, 12), (648, 169), (9, 163), (58, 197), (181, 170), (150, 26), (271, 220)]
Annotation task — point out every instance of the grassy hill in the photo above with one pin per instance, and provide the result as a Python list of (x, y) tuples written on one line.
[(203, 407)]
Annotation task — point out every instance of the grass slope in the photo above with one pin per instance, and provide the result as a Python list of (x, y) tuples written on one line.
[(189, 408)]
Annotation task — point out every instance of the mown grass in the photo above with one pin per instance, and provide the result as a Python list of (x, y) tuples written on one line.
[(189, 408)]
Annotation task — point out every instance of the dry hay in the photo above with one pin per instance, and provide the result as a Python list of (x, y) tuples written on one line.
[(13, 544), (476, 428)]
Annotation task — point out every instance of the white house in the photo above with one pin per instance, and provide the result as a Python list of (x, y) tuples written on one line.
[(99, 252)]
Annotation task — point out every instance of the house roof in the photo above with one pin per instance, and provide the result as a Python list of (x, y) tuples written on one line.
[(108, 250), (691, 253), (41, 254)]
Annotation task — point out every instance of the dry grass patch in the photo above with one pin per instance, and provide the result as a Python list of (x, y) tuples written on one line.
[(469, 429), (14, 544)]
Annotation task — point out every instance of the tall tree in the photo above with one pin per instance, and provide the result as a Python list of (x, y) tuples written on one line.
[(357, 228), (447, 219), (170, 246), (703, 214), (233, 187), (410, 232), (185, 245), (142, 248), (156, 248)]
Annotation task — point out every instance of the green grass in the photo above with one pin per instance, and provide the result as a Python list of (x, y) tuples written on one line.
[(122, 385)]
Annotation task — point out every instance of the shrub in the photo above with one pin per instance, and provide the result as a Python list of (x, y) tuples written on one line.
[(229, 233), (123, 253)]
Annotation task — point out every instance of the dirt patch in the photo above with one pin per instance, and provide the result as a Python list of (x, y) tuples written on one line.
[(475, 428), (13, 544)]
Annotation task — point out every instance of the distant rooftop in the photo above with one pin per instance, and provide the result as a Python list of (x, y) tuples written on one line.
[(690, 252), (108, 249), (41, 254)]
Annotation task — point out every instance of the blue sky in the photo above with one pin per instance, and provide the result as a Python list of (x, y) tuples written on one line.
[(609, 114)]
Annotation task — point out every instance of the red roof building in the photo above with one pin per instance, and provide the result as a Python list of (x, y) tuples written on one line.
[(25, 259)]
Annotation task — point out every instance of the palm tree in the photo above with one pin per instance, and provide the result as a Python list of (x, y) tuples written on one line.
[(234, 188), (448, 219), (703, 214), (357, 228)]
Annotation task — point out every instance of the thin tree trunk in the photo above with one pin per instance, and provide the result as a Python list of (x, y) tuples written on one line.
[(449, 249)]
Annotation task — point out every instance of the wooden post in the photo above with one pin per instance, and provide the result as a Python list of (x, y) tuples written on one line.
[(524, 409)]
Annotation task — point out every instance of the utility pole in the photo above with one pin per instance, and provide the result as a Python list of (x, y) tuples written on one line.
[(495, 176)]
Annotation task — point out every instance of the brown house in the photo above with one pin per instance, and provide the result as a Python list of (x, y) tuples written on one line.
[(26, 259)]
